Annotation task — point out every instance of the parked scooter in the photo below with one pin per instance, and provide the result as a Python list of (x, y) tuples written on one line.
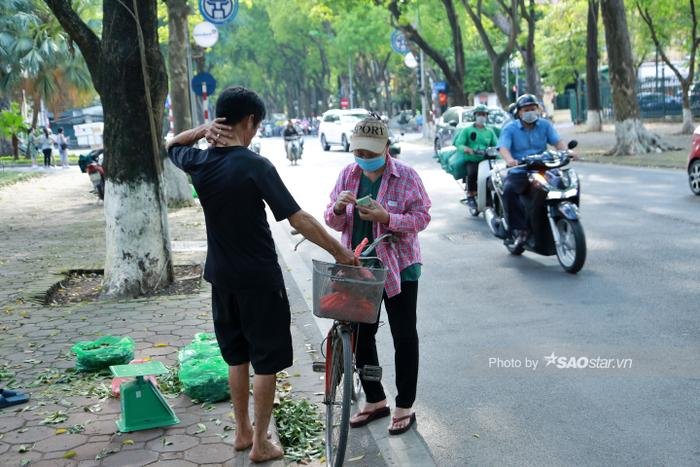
[(550, 205), (92, 165), (294, 148)]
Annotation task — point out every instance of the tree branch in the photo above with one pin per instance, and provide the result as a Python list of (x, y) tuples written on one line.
[(644, 13), (90, 45), (413, 35)]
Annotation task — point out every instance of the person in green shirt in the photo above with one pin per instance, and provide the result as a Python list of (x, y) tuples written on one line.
[(471, 138)]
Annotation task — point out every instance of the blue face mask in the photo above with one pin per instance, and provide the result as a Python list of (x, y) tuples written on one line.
[(370, 165)]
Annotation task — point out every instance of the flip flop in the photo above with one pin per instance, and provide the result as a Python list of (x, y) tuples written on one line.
[(398, 431), (371, 416), (9, 398)]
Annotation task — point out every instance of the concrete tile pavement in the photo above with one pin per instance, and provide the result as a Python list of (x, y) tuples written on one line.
[(53, 224)]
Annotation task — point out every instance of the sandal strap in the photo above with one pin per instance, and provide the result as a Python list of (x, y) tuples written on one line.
[(400, 419), (370, 412)]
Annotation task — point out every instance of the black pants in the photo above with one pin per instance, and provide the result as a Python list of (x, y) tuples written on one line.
[(47, 157), (401, 311), (472, 175), (515, 185)]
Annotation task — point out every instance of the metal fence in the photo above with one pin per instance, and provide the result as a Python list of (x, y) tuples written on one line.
[(658, 99)]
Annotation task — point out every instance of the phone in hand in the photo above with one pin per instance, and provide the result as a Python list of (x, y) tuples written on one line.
[(365, 201)]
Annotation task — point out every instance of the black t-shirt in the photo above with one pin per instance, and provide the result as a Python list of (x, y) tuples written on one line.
[(290, 132), (233, 185)]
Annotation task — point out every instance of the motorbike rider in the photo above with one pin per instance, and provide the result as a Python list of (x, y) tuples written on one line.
[(289, 134), (475, 137), (526, 135)]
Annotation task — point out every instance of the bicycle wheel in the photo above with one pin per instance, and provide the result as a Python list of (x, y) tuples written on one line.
[(338, 402)]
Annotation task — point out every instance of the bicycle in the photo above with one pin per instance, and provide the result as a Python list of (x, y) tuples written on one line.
[(349, 295)]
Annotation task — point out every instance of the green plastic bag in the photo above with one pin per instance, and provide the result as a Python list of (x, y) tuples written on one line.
[(457, 166), (444, 155), (203, 371), (101, 353)]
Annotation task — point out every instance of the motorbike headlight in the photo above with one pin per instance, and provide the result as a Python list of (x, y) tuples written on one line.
[(539, 178)]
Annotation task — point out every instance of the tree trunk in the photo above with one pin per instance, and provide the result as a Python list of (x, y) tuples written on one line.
[(593, 117), (632, 137), (177, 186), (36, 110), (178, 11), (498, 86), (688, 124), (533, 80), (138, 256), (15, 146)]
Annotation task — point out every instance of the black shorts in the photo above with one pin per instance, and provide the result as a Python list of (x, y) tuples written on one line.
[(253, 326)]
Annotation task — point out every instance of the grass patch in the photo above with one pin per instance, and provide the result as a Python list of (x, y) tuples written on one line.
[(10, 160), (10, 178), (666, 160)]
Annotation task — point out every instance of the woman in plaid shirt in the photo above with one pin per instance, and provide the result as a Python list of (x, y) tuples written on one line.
[(399, 205)]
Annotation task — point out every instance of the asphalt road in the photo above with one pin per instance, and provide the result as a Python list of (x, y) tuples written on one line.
[(485, 317)]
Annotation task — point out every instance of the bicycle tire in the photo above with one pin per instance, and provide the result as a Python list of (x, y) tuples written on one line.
[(338, 404)]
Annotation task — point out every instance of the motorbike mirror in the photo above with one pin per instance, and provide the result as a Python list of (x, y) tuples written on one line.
[(572, 144)]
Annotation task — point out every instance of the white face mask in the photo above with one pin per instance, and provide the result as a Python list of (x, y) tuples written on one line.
[(480, 120), (530, 117)]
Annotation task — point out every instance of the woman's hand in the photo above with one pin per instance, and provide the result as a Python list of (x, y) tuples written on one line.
[(375, 212), (344, 198), (216, 132), (468, 150)]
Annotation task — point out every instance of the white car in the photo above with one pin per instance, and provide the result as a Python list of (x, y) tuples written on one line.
[(337, 125)]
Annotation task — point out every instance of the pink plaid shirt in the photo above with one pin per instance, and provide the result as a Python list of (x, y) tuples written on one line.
[(402, 194)]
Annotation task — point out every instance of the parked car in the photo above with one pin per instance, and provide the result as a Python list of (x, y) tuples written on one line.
[(337, 125), (694, 163), (456, 118), (653, 102)]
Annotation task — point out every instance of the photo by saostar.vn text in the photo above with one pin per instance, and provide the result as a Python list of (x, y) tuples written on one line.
[(562, 362)]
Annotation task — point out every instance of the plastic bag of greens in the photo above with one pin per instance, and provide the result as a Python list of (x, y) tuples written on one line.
[(101, 353), (203, 371)]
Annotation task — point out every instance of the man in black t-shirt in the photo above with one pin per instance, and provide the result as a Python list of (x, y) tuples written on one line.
[(249, 301)]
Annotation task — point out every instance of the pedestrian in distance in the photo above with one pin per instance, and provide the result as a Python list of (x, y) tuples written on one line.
[(399, 205), (249, 301), (62, 142), (47, 141), (474, 138), (32, 145)]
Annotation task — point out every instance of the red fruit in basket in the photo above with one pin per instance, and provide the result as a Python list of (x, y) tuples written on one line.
[(361, 246)]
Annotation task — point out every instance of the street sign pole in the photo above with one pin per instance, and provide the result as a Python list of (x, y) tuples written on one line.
[(205, 106), (352, 102)]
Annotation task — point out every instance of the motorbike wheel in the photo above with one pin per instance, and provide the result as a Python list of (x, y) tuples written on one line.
[(571, 251)]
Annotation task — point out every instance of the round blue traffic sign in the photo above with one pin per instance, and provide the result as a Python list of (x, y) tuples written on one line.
[(399, 42), (200, 78), (218, 11)]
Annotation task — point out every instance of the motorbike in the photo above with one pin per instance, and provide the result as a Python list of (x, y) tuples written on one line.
[(255, 143), (551, 207), (483, 199), (91, 164), (294, 148)]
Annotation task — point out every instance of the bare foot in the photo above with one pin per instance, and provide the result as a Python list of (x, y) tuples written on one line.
[(399, 413), (244, 438), (367, 408), (265, 452)]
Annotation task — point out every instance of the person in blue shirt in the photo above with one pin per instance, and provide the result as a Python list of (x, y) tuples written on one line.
[(527, 134)]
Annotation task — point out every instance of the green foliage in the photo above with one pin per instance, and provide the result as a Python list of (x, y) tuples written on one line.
[(562, 43), (11, 121), (37, 55), (300, 429)]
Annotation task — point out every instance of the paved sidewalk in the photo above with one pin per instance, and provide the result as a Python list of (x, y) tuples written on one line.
[(53, 224)]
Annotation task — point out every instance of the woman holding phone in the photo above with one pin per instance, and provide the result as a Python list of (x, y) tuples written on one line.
[(376, 195)]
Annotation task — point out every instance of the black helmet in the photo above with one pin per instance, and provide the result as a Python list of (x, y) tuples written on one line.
[(512, 109), (525, 100)]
